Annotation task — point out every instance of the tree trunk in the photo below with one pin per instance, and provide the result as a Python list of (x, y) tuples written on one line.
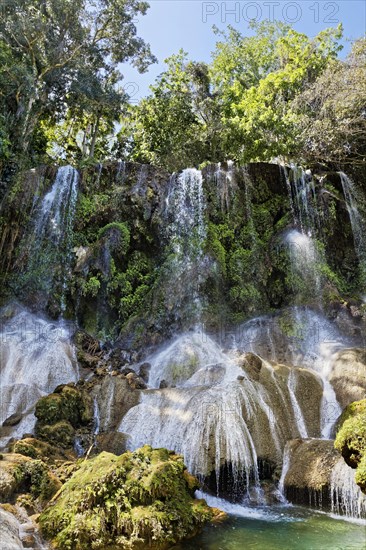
[(94, 137)]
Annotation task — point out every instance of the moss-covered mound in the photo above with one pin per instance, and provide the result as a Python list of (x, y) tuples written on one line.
[(61, 412), (351, 439), (21, 474), (136, 500)]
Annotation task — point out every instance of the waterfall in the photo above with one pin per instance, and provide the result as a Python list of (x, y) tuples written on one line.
[(304, 255), (298, 416), (305, 262), (302, 196), (285, 468), (224, 177), (186, 231), (96, 417), (302, 337), (346, 497), (36, 357), (48, 247), (358, 223), (213, 412)]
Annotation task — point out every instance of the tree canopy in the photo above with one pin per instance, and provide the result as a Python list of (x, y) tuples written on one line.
[(276, 93), (60, 62)]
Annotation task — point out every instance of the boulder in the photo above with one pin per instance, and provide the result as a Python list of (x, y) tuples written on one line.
[(134, 500), (308, 478)]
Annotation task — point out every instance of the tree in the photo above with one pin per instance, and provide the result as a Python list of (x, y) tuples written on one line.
[(178, 124), (332, 111), (271, 69), (51, 43)]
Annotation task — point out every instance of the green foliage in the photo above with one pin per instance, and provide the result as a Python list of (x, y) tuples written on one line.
[(90, 287), (178, 124), (244, 105), (351, 439), (59, 66), (137, 498), (331, 118)]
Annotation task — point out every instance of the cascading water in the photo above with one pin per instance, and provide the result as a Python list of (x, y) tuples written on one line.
[(358, 223), (302, 195), (48, 247), (96, 415), (300, 337), (304, 255), (304, 262), (346, 497), (225, 182), (36, 356), (213, 412), (186, 231)]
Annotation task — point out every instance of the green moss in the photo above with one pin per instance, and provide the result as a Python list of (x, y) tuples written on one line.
[(121, 233), (26, 449), (139, 498), (360, 476), (66, 403), (35, 477), (61, 433), (351, 439)]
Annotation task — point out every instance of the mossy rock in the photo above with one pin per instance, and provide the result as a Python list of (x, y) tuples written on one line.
[(21, 474), (137, 500), (351, 439), (34, 448), (67, 403), (61, 433)]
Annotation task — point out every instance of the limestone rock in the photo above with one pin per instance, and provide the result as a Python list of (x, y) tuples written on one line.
[(9, 531), (310, 468), (348, 375)]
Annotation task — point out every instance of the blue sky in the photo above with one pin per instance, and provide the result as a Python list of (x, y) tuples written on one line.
[(173, 24)]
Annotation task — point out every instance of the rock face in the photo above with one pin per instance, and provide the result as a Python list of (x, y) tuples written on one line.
[(135, 500), (20, 473), (124, 260), (9, 531), (308, 477), (314, 474), (348, 375)]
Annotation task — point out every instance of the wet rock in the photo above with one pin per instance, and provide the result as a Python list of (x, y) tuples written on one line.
[(13, 420), (163, 384), (308, 478), (28, 541), (135, 382), (251, 364), (112, 442), (127, 370), (144, 371), (115, 397), (9, 531)]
